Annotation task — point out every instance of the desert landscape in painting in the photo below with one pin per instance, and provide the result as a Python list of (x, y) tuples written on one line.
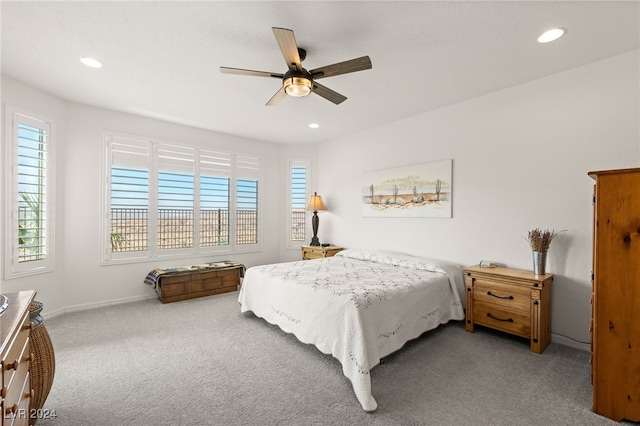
[(422, 190)]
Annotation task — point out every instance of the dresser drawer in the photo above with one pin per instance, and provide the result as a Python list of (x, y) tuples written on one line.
[(15, 372), (16, 407), (308, 255), (17, 379), (318, 252), (17, 352), (509, 320), (504, 295)]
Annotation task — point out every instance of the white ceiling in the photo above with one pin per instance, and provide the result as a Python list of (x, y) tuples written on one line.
[(162, 59)]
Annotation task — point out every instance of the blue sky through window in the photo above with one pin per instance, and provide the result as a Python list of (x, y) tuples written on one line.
[(31, 157), (130, 188)]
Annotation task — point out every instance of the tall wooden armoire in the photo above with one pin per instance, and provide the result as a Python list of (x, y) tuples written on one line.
[(615, 328)]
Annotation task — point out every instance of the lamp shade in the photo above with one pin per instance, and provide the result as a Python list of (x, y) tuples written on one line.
[(316, 203)]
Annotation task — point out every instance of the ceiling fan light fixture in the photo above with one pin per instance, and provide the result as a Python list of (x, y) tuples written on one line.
[(297, 81), (297, 86)]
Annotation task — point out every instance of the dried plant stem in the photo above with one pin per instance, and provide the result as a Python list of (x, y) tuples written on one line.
[(540, 240)]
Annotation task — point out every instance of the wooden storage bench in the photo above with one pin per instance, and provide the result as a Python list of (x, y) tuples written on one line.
[(188, 282)]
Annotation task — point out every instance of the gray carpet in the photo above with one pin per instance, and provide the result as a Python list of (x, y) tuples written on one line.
[(202, 362)]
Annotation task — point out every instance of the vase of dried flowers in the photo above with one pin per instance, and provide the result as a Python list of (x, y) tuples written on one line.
[(540, 240)]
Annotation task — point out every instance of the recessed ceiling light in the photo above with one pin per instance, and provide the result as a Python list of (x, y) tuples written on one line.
[(314, 125), (551, 35), (90, 62)]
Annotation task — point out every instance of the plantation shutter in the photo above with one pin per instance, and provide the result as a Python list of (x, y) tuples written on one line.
[(298, 200), (215, 178), (247, 176), (31, 185), (128, 193), (176, 191)]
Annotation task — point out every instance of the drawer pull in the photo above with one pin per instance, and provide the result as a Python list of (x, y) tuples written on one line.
[(12, 409), (499, 319), (500, 297), (12, 366)]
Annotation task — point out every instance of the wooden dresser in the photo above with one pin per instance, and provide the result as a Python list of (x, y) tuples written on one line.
[(317, 252), (615, 328), (15, 356), (510, 300)]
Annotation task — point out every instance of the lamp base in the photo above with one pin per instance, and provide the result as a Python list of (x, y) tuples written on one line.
[(315, 222)]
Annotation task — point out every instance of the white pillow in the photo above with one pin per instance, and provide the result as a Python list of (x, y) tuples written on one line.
[(453, 271)]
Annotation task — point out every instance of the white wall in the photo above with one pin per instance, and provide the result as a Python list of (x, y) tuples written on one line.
[(295, 152), (79, 281), (520, 161), (49, 286)]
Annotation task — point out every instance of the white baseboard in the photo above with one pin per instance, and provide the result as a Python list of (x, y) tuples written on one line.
[(557, 338), (86, 306)]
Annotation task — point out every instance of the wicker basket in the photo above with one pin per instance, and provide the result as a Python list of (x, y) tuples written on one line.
[(43, 364)]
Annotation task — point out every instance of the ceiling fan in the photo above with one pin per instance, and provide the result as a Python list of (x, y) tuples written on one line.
[(297, 81)]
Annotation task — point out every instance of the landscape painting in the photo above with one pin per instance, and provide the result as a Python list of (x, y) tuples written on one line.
[(421, 190)]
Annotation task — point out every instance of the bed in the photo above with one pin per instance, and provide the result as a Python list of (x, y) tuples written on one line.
[(359, 305)]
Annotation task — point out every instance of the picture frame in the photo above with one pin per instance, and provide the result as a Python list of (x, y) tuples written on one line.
[(419, 190)]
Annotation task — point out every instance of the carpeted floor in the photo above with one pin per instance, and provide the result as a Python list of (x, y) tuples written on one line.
[(202, 362)]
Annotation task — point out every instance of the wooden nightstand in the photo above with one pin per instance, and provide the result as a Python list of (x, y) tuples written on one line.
[(511, 300), (317, 252)]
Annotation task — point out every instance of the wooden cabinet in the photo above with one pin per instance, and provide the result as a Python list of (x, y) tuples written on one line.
[(615, 328), (510, 300), (317, 252), (198, 283), (15, 356)]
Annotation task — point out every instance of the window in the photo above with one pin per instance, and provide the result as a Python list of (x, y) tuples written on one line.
[(298, 171), (129, 195), (247, 199), (176, 192), (215, 186), (166, 199), (29, 203)]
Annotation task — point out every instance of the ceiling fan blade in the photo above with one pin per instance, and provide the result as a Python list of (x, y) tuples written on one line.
[(353, 65), (287, 42), (240, 71), (327, 93), (277, 98)]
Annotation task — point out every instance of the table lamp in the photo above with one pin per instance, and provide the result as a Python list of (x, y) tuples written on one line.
[(315, 204)]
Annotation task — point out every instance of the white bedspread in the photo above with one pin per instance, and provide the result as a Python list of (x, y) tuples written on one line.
[(358, 306)]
